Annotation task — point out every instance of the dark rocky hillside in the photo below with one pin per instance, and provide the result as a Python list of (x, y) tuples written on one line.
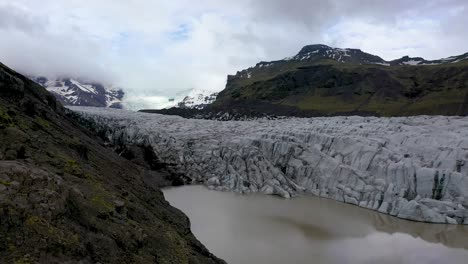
[(321, 80), (66, 198)]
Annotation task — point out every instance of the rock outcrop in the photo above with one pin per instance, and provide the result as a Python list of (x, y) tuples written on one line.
[(409, 167)]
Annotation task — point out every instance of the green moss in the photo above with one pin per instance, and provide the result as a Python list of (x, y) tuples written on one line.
[(6, 183), (23, 125), (33, 220), (101, 197), (100, 203), (42, 122), (72, 167), (57, 237), (90, 177), (177, 249), (23, 260), (11, 247), (81, 149), (5, 119)]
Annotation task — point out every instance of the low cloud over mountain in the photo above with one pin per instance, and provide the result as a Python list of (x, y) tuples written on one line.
[(157, 49)]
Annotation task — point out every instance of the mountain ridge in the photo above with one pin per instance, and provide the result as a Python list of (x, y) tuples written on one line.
[(321, 81), (80, 92), (319, 53)]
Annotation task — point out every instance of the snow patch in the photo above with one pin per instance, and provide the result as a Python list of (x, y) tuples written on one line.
[(84, 87), (412, 62), (382, 63)]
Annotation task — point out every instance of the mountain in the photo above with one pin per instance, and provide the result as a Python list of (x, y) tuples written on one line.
[(70, 91), (321, 80), (66, 198)]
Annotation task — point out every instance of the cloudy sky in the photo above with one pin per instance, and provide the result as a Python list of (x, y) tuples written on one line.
[(157, 49)]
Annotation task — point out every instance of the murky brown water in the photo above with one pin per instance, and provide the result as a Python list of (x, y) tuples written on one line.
[(257, 229)]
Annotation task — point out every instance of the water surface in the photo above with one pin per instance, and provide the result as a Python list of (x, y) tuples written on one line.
[(257, 229)]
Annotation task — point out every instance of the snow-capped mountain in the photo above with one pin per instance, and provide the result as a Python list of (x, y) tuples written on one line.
[(315, 52), (197, 99), (77, 92)]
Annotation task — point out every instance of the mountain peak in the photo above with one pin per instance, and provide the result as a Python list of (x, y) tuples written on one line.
[(314, 48), (317, 52)]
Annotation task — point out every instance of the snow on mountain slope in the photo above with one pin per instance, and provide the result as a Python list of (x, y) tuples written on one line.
[(197, 99), (314, 52), (409, 167), (81, 93), (192, 99)]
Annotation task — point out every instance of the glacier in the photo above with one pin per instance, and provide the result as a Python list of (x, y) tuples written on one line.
[(410, 167)]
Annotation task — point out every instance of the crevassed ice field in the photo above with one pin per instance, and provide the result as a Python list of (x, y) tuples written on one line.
[(410, 167)]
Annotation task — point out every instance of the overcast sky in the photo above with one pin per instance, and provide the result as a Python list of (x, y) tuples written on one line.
[(156, 49)]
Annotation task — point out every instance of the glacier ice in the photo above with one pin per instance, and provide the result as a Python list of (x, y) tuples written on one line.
[(409, 167)]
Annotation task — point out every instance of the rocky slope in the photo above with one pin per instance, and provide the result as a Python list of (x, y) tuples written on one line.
[(410, 167), (322, 81), (71, 91), (65, 198)]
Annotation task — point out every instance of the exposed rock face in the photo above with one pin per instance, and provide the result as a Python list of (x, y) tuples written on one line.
[(409, 167)]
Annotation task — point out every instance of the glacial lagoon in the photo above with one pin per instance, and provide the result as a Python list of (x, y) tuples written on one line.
[(257, 228)]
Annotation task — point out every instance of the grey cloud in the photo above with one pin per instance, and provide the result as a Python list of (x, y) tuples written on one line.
[(30, 47), (320, 12), (17, 19)]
